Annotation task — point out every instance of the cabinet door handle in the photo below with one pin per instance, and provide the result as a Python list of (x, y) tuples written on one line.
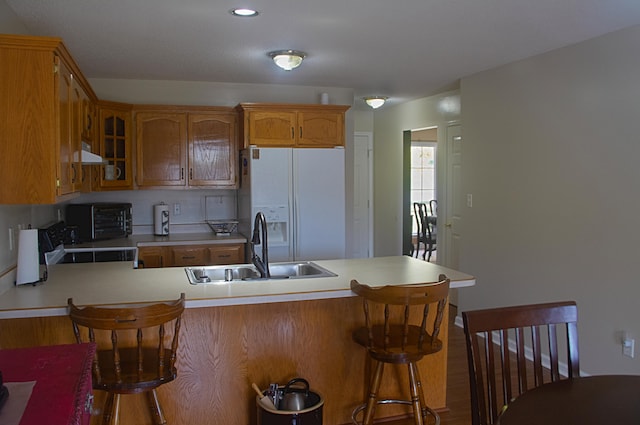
[(293, 133), (301, 132), (190, 173), (188, 257), (75, 173), (181, 173)]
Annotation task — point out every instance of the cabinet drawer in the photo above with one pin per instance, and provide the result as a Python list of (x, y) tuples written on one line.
[(189, 256), (226, 254)]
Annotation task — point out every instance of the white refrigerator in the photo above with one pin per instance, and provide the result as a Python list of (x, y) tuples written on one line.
[(302, 194)]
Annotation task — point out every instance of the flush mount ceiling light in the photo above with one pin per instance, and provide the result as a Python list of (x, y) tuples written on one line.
[(243, 12), (287, 59), (375, 101)]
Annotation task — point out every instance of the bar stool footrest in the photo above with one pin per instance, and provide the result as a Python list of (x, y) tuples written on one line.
[(361, 407)]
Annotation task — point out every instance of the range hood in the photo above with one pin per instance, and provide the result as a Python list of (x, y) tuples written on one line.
[(87, 157)]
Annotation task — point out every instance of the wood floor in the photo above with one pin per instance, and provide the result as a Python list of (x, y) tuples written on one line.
[(458, 397)]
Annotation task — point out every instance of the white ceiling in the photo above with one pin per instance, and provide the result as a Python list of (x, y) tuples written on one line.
[(404, 49)]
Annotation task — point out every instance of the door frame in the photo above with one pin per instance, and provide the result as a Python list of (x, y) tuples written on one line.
[(369, 136)]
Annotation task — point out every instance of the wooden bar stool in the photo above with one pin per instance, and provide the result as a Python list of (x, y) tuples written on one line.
[(392, 335), (136, 350)]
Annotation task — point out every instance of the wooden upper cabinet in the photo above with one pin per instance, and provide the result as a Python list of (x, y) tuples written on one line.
[(321, 129), (161, 149), (286, 125), (38, 82), (212, 150), (271, 128), (65, 120), (182, 147)]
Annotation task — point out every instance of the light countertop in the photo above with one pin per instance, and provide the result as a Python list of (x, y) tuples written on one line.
[(120, 283)]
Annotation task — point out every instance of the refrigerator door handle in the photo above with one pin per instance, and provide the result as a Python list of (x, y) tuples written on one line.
[(296, 220)]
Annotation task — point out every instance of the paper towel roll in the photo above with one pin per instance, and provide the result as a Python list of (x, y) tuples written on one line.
[(161, 219), (28, 261)]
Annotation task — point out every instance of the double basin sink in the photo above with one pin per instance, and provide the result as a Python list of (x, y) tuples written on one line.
[(247, 272)]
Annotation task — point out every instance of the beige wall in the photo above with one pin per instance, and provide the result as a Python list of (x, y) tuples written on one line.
[(551, 150)]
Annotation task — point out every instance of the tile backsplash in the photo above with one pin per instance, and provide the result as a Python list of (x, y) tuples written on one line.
[(188, 209)]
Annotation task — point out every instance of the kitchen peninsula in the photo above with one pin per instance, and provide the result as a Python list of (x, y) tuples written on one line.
[(236, 333)]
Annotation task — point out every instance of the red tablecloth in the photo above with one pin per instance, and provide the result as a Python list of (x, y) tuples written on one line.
[(63, 381)]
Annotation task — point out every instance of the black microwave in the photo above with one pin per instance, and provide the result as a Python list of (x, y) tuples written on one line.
[(96, 221)]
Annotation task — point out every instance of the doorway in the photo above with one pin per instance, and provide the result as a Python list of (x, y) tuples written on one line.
[(420, 180)]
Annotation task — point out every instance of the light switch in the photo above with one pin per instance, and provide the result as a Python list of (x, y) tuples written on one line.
[(469, 200)]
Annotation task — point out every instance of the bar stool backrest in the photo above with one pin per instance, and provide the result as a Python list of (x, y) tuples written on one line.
[(396, 331), (137, 344)]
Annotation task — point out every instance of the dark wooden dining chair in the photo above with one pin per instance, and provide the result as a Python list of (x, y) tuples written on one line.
[(426, 230), (397, 332), (136, 352), (433, 207), (499, 340)]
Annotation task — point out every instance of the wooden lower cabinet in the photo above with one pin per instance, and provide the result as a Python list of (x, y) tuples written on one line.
[(190, 255), (224, 349), (151, 257)]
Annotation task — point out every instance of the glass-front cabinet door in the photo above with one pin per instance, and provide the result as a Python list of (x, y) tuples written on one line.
[(115, 149)]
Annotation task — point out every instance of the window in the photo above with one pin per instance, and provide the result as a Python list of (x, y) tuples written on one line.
[(423, 165), (423, 182)]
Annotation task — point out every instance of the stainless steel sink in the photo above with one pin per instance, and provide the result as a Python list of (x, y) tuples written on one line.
[(247, 272)]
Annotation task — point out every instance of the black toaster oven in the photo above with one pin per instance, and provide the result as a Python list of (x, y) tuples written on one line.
[(96, 221)]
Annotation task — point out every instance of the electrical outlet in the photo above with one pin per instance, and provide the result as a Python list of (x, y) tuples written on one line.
[(176, 209), (469, 200)]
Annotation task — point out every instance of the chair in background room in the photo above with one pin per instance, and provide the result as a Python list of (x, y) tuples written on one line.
[(426, 230), (136, 350), (433, 208), (392, 335), (496, 342)]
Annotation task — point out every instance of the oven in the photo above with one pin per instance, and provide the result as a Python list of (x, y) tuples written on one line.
[(98, 256), (57, 244)]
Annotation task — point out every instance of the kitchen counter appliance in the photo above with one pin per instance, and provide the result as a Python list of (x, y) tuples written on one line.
[(98, 221)]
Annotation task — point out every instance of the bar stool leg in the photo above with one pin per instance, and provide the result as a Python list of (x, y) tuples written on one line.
[(416, 393), (154, 407), (423, 409), (107, 409), (373, 394)]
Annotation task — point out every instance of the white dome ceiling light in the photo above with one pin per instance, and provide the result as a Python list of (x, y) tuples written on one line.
[(287, 59), (375, 101)]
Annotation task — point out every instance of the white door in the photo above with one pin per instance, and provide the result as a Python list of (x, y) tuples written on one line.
[(453, 212), (362, 195)]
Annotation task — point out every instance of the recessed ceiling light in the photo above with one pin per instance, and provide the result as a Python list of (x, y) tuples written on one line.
[(244, 12)]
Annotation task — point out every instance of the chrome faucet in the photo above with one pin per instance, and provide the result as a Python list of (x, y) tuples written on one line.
[(261, 263)]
